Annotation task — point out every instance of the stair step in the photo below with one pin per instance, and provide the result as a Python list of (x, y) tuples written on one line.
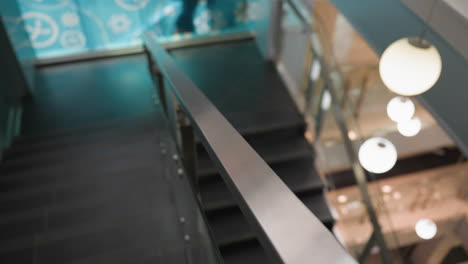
[(84, 214), (84, 241), (26, 181), (72, 184), (85, 164), (61, 231), (247, 252), (136, 254), (272, 152), (48, 149), (274, 132), (230, 226), (75, 210), (61, 196), (78, 151), (299, 175), (88, 130)]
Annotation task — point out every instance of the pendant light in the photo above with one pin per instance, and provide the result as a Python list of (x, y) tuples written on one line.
[(377, 155), (400, 109), (411, 66), (426, 228), (409, 128)]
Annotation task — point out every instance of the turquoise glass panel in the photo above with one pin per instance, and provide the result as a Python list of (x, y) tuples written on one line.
[(63, 27)]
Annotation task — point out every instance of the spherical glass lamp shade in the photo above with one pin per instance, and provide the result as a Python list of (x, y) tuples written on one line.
[(400, 109), (377, 155), (409, 128), (426, 228), (410, 66)]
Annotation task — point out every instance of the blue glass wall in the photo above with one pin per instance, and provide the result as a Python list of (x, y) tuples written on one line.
[(62, 27), (19, 40)]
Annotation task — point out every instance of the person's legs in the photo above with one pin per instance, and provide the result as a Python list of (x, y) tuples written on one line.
[(185, 20)]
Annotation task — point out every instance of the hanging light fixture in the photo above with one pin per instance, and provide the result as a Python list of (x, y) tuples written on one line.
[(400, 109), (377, 155), (426, 228), (411, 66), (409, 128)]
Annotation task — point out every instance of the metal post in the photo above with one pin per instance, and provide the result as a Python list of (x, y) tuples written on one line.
[(307, 83), (161, 91), (188, 147), (320, 115), (158, 79), (367, 248)]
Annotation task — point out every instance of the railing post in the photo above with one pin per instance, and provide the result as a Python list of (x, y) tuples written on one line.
[(188, 147), (161, 89), (367, 249), (308, 83), (320, 115), (158, 78)]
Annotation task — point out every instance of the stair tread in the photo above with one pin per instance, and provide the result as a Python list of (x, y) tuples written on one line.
[(135, 254), (56, 197), (86, 163), (69, 219), (41, 149), (88, 130), (80, 152), (271, 152), (299, 175), (230, 226), (63, 184), (273, 131), (112, 198), (46, 236), (92, 240), (249, 252)]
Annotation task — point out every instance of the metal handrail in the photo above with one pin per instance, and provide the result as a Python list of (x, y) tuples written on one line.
[(359, 173), (286, 228)]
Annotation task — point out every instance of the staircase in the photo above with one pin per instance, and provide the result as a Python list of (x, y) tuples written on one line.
[(250, 93), (106, 193), (96, 194), (290, 156)]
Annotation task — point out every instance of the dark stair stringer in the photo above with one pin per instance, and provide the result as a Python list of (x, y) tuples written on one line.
[(250, 93)]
